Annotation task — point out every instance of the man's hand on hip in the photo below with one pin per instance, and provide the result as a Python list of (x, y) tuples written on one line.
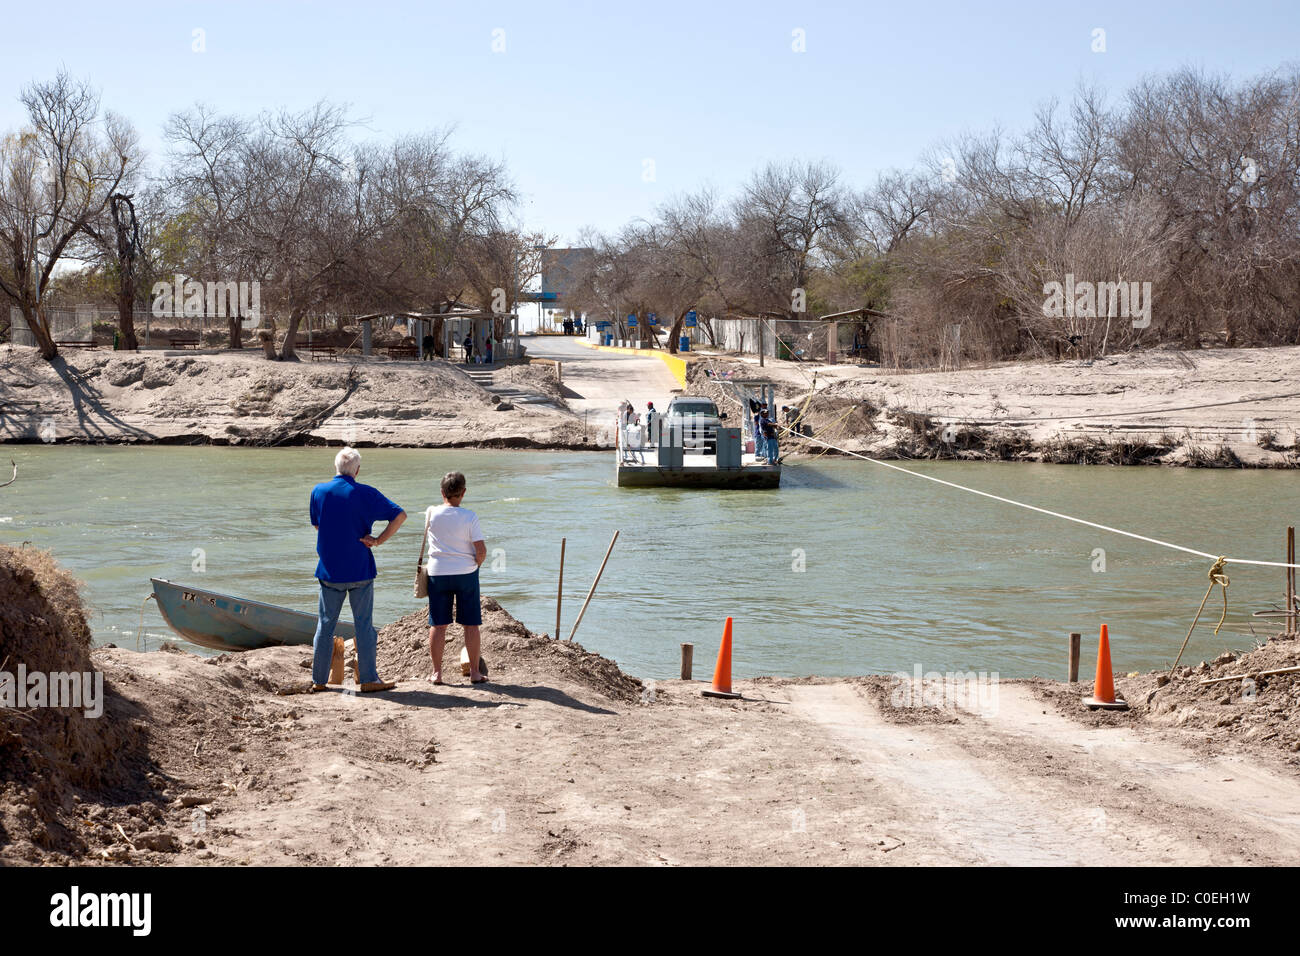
[(370, 541)]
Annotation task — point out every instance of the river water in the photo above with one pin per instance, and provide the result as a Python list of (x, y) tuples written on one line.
[(848, 569)]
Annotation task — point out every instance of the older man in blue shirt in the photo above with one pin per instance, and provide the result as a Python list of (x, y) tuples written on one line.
[(342, 512)]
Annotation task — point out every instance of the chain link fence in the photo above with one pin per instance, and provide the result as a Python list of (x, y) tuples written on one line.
[(94, 324), (798, 339)]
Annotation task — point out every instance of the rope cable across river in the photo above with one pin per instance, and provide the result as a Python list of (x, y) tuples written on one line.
[(1029, 507)]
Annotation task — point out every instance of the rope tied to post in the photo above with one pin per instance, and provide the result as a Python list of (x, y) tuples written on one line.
[(1219, 577), (1216, 576)]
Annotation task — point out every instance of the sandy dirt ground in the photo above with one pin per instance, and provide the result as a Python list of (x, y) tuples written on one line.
[(1189, 404), (242, 399), (561, 759)]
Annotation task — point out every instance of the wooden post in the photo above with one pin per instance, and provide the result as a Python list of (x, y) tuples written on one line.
[(559, 591), (1290, 581), (688, 652), (593, 586), (1074, 657)]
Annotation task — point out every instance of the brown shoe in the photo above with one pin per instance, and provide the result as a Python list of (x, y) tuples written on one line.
[(316, 688), (377, 685)]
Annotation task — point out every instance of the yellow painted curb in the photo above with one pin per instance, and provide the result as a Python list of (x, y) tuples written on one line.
[(675, 364)]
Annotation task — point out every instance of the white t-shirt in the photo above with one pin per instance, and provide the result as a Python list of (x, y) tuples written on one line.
[(452, 533)]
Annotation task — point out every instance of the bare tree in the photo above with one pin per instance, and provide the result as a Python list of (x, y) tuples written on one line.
[(119, 249), (783, 219), (56, 175), (209, 193)]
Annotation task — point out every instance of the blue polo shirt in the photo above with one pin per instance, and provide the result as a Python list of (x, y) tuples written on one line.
[(343, 511)]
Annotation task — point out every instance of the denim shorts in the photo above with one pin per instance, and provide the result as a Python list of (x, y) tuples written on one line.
[(463, 589)]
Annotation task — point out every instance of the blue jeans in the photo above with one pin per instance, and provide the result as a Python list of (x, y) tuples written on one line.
[(773, 450), (361, 596)]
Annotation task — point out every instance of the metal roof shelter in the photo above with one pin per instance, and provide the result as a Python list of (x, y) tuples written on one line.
[(503, 326), (833, 320)]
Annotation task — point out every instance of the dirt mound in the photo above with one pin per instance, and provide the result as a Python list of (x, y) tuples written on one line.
[(510, 649), (49, 755), (1260, 713)]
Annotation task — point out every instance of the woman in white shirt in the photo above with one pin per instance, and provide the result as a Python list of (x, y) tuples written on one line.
[(456, 549)]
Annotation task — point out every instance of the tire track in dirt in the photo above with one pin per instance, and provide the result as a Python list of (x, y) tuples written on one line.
[(1240, 796), (1018, 787)]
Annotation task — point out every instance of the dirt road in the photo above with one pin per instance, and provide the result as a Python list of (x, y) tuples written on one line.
[(1022, 785), (563, 758), (538, 768)]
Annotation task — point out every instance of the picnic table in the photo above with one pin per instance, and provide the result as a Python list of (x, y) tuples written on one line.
[(403, 351), (76, 343), (183, 341), (321, 352)]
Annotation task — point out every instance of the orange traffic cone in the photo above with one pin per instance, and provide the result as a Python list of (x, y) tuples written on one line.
[(1103, 685), (722, 670)]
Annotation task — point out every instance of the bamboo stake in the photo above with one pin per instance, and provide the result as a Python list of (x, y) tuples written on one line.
[(593, 586), (1279, 670), (559, 591)]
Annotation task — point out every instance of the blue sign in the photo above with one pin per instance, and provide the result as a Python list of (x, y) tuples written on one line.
[(631, 321), (691, 322), (654, 319)]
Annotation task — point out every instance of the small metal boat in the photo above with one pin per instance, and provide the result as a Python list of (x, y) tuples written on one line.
[(228, 623)]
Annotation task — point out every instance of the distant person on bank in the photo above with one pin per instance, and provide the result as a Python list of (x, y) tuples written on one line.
[(456, 550), (772, 450), (343, 512)]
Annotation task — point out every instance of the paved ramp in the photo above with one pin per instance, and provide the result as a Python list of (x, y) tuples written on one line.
[(597, 381)]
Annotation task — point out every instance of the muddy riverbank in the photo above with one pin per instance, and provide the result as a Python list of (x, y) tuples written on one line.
[(562, 758), (102, 397), (1226, 408)]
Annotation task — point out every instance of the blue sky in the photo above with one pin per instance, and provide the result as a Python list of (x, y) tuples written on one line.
[(584, 93)]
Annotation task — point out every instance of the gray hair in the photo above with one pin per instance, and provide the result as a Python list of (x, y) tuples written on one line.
[(348, 462)]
